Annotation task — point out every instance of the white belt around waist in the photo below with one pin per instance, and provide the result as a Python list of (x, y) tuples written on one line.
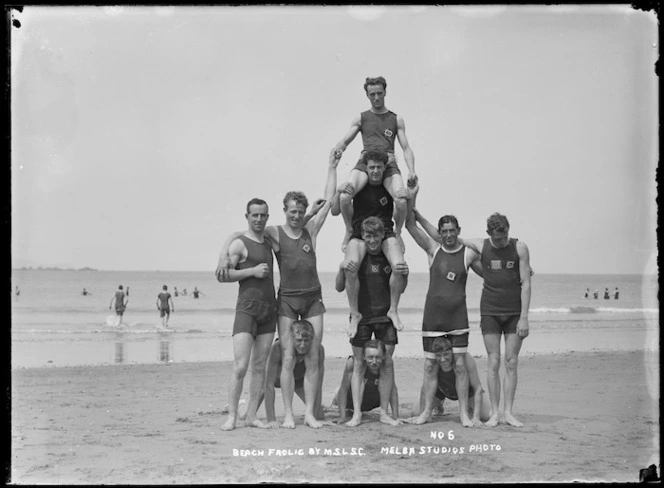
[(441, 333)]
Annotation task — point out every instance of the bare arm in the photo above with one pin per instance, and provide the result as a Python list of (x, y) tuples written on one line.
[(428, 227), (330, 192), (111, 304), (238, 253), (271, 374), (421, 238), (349, 136), (522, 328), (475, 244), (476, 266), (407, 151), (474, 262), (224, 261)]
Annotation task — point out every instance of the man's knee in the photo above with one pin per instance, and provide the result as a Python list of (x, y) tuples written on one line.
[(460, 365), (511, 363), (287, 361), (240, 369), (359, 366), (345, 198), (430, 367), (493, 362)]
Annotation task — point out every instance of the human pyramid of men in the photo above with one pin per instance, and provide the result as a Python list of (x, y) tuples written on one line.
[(375, 205)]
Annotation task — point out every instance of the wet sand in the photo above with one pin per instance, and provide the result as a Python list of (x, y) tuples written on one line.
[(588, 416)]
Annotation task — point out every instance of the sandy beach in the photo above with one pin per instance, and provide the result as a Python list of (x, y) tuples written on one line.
[(588, 416)]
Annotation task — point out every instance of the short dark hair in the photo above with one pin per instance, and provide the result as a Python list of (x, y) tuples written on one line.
[(164, 287), (120, 287), (255, 201), (302, 327), (379, 80), (375, 344), (378, 156), (373, 225), (440, 343), (497, 222), (448, 219), (297, 197)]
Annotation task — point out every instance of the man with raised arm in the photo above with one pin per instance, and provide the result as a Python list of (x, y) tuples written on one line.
[(445, 311), (374, 275), (300, 295), (373, 201), (371, 389), (505, 265), (379, 128), (251, 263)]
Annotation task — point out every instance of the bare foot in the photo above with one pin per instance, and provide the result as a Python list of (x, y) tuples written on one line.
[(273, 424), (476, 422), (229, 424), (509, 419), (493, 421), (346, 240), (289, 422), (437, 411), (341, 420), (312, 422), (394, 317), (419, 420), (465, 420), (353, 323), (256, 423), (355, 421), (386, 419)]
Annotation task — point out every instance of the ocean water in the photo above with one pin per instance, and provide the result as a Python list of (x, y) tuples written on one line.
[(53, 324)]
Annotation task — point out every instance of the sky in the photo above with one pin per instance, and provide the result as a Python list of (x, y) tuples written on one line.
[(140, 133)]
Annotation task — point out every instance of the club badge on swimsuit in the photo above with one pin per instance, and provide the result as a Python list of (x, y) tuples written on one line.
[(375, 268), (451, 276), (306, 248), (383, 201), (387, 269), (510, 264), (496, 264), (388, 133)]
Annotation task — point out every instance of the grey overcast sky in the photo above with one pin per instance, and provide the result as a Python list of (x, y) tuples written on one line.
[(139, 134)]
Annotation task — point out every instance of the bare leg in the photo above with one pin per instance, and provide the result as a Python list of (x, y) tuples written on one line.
[(318, 404), (512, 347), (385, 385), (312, 374), (355, 252), (357, 386), (393, 253), (259, 354), (429, 385), (358, 179), (492, 344), (287, 365), (242, 345), (394, 185), (461, 374)]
